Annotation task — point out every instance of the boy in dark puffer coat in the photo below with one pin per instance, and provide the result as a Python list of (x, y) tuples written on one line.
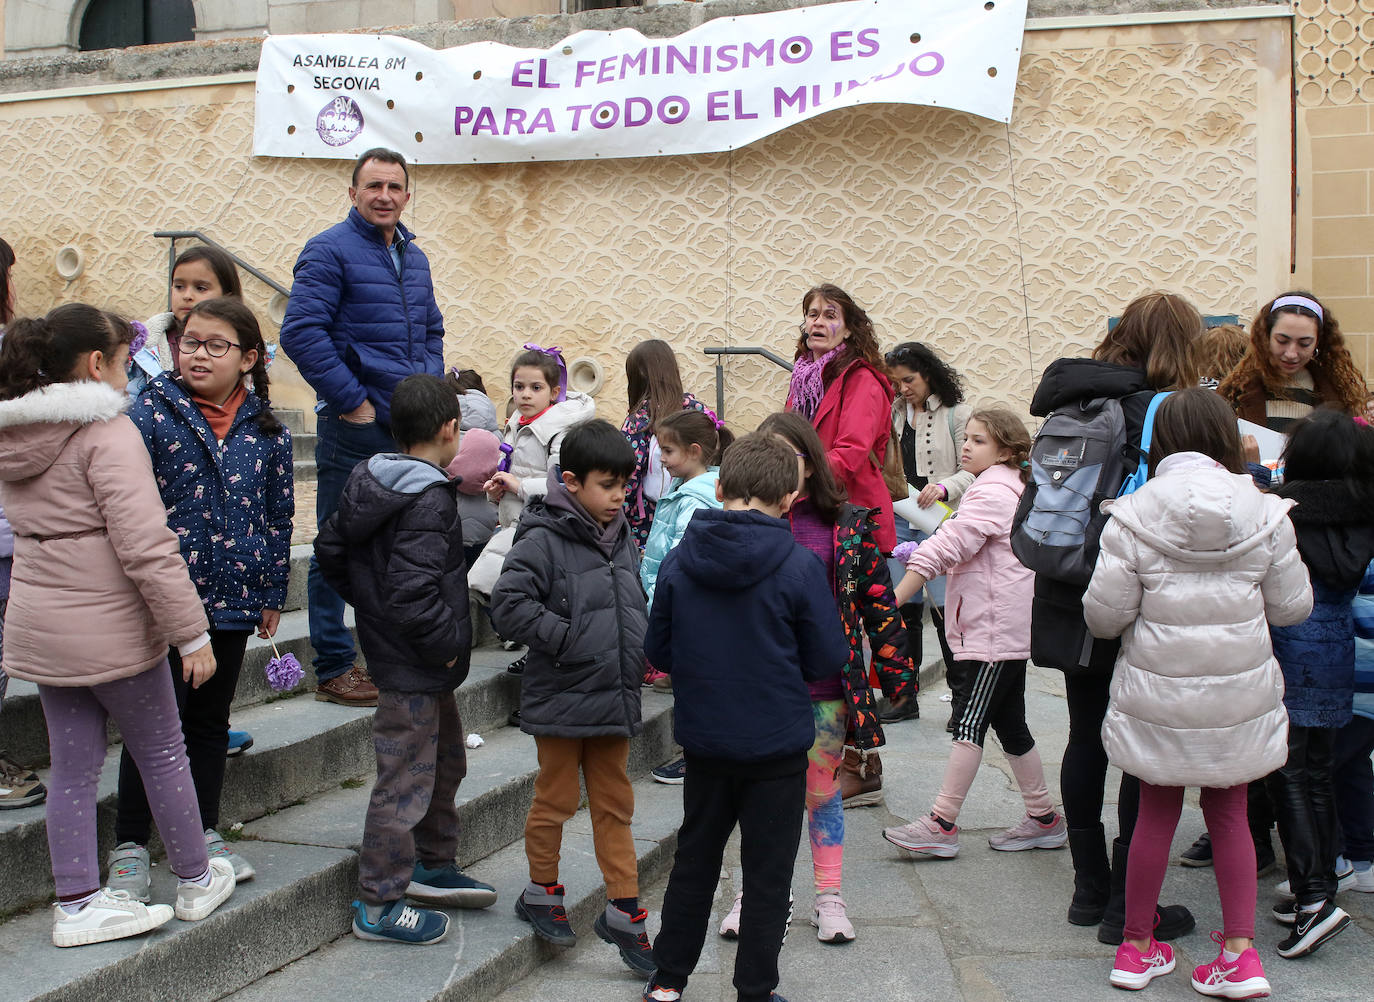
[(394, 551), (570, 590)]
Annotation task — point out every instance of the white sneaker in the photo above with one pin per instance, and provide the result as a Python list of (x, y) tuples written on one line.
[(109, 915), (829, 918), (1364, 879), (1346, 878), (729, 926), (195, 902)]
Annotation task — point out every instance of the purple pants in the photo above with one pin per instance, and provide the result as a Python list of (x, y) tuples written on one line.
[(144, 708), (1233, 857)]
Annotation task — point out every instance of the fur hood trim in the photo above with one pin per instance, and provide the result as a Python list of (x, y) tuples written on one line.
[(81, 402)]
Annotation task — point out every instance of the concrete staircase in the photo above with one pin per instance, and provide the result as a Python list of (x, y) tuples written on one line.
[(296, 802)]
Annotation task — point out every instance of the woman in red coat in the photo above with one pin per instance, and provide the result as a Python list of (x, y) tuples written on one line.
[(839, 385)]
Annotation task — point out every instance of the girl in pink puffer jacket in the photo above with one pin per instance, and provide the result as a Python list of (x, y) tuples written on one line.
[(987, 622)]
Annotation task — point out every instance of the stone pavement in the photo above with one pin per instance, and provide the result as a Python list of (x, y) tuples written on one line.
[(984, 927)]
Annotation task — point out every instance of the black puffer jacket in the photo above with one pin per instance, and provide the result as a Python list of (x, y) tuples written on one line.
[(394, 551), (570, 590), (1059, 636)]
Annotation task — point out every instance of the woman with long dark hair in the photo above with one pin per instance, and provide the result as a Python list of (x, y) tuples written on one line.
[(840, 385), (928, 419)]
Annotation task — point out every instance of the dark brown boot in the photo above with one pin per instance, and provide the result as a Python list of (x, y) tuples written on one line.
[(861, 778)]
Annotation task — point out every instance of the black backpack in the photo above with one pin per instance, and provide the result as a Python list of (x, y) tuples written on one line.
[(1081, 457)]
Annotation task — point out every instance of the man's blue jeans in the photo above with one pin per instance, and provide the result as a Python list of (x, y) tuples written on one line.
[(341, 445)]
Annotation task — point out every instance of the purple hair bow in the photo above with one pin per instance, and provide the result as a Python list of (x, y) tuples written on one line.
[(557, 354)]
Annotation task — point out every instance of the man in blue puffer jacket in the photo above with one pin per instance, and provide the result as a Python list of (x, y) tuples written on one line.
[(362, 317)]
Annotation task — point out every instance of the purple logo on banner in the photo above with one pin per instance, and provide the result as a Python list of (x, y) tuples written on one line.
[(339, 121)]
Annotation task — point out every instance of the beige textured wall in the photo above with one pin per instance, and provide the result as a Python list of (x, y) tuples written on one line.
[(1334, 72), (1140, 161)]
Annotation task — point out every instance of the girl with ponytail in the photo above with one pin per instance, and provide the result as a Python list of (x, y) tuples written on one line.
[(99, 593), (223, 465)]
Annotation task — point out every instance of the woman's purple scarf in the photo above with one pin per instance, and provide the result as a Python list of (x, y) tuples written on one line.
[(808, 386)]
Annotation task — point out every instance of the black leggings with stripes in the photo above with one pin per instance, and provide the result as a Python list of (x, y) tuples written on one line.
[(994, 695)]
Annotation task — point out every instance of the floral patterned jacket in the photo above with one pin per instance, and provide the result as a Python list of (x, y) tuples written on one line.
[(229, 503), (639, 510), (868, 606)]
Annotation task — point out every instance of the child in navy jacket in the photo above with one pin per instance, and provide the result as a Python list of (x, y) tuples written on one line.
[(743, 617), (222, 462)]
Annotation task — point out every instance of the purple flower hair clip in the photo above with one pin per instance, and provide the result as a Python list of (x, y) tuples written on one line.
[(140, 337), (557, 354), (284, 672)]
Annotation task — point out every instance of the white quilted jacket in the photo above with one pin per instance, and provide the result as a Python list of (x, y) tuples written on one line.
[(1192, 566)]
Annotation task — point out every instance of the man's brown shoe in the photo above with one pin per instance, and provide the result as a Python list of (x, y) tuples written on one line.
[(352, 688)]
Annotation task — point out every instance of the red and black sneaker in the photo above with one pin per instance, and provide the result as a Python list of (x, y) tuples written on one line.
[(628, 934), (542, 907)]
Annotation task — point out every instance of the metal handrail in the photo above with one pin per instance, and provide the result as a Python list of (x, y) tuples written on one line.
[(175, 235), (720, 369)]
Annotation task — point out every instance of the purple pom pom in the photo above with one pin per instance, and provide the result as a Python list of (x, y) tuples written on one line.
[(140, 337), (903, 551), (284, 673)]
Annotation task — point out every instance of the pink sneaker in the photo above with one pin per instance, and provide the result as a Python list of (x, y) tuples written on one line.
[(925, 836), (1242, 980), (1135, 970)]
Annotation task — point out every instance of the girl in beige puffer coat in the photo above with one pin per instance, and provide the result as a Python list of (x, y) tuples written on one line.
[(1193, 569), (99, 591)]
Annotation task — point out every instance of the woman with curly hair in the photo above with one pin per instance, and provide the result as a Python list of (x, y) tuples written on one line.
[(1297, 361), (839, 384), (928, 418)]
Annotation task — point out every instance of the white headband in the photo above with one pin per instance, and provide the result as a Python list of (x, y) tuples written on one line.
[(1311, 305)]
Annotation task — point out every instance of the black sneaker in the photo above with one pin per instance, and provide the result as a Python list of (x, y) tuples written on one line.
[(513, 718), (627, 933), (1286, 912), (673, 774), (1199, 853), (517, 667), (1312, 929), (544, 911)]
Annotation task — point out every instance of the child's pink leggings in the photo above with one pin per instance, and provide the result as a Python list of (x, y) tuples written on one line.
[(1233, 856)]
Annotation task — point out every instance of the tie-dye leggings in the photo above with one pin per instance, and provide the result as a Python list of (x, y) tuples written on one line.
[(824, 806)]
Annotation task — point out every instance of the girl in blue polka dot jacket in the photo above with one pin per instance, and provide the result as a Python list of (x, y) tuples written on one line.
[(223, 466)]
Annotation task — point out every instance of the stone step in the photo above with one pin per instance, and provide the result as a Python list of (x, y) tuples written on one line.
[(303, 446), (301, 747), (303, 472), (307, 874), (293, 418), (25, 736), (492, 802), (487, 951)]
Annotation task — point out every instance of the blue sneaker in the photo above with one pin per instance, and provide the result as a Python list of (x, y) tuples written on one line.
[(448, 885), (400, 923), (239, 742)]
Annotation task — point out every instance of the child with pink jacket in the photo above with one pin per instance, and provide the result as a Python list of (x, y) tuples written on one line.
[(987, 622)]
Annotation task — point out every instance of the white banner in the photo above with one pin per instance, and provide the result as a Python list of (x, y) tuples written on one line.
[(600, 94)]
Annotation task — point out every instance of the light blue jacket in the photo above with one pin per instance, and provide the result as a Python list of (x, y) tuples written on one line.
[(675, 509)]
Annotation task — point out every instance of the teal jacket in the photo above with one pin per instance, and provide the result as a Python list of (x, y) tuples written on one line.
[(675, 509)]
